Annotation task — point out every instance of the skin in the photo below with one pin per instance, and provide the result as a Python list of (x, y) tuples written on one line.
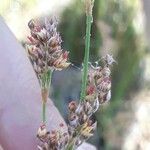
[(20, 99)]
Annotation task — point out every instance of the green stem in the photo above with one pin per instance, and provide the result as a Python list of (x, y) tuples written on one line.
[(89, 20), (43, 112), (46, 82), (49, 78), (70, 146)]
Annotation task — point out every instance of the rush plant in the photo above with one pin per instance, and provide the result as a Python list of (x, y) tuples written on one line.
[(46, 54)]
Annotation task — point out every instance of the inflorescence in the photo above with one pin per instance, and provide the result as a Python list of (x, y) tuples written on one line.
[(46, 54), (80, 123), (44, 47)]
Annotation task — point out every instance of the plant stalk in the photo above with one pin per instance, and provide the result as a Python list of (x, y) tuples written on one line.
[(43, 112), (46, 82), (89, 20), (70, 146)]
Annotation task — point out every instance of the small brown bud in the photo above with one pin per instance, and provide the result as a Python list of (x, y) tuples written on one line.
[(73, 120), (90, 89), (72, 106)]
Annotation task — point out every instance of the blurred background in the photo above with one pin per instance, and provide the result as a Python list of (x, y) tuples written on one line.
[(121, 28)]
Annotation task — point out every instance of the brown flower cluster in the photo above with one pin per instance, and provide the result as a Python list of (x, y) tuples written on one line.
[(44, 47), (54, 140), (99, 83), (80, 123), (81, 126)]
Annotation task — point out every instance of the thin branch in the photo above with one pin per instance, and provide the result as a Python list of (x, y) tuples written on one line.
[(89, 20)]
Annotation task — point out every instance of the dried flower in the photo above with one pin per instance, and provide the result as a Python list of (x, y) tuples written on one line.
[(46, 54), (98, 91), (72, 106), (80, 125), (54, 140), (100, 76), (87, 130), (42, 131), (44, 47)]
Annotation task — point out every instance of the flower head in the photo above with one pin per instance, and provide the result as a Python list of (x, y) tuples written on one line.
[(44, 47)]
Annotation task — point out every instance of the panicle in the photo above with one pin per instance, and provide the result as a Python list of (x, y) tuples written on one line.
[(80, 122), (44, 47), (54, 140), (81, 126)]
